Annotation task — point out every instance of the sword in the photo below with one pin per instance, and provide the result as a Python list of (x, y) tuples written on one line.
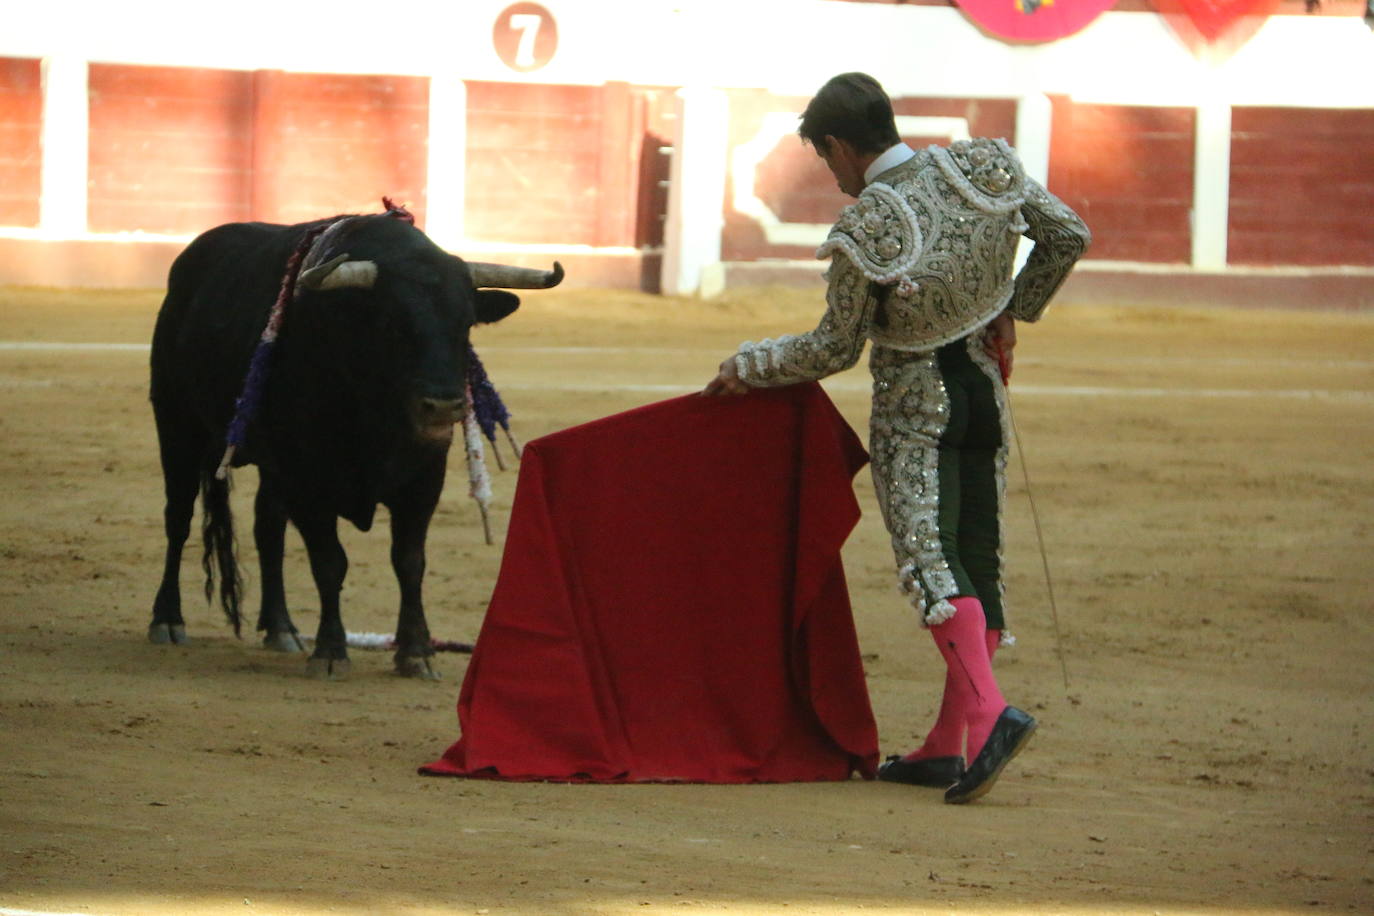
[(1005, 367)]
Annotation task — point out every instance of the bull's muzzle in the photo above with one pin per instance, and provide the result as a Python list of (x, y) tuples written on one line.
[(434, 418)]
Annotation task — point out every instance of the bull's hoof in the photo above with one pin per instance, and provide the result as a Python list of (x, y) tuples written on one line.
[(417, 666), (165, 633), (283, 642), (327, 669)]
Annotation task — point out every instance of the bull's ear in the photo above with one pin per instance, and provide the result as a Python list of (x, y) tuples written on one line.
[(494, 304)]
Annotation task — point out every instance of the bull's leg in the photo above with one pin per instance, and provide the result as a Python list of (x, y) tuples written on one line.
[(413, 649), (269, 535), (181, 454), (329, 565), (410, 518)]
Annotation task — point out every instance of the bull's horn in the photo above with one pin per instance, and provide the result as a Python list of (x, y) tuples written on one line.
[(312, 277), (503, 276), (339, 273)]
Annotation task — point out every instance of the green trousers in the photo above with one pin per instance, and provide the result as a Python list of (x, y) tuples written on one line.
[(938, 440)]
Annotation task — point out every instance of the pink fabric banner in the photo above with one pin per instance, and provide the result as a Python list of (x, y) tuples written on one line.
[(1033, 20), (1215, 27)]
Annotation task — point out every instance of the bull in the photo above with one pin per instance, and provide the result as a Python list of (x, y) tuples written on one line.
[(367, 378)]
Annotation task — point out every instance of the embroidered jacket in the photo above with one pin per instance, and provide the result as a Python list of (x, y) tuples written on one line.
[(924, 257)]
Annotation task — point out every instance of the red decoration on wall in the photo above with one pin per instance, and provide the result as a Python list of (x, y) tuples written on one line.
[(1215, 27), (1033, 20)]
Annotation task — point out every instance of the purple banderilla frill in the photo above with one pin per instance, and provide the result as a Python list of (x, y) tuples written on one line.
[(490, 411), (254, 383)]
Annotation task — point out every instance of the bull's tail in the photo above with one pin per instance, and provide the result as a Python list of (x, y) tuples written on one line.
[(217, 526)]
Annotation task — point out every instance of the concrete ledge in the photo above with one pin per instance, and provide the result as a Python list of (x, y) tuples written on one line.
[(775, 273), (1334, 288), (143, 264), (1324, 289), (119, 264), (88, 264)]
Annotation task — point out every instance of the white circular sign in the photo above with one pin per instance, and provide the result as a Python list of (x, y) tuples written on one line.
[(525, 36)]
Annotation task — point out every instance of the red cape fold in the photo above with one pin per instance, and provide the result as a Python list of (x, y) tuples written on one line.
[(672, 606)]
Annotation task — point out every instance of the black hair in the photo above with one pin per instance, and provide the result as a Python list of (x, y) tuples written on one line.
[(851, 107)]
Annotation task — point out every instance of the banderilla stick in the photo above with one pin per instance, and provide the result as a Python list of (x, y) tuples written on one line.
[(1035, 515)]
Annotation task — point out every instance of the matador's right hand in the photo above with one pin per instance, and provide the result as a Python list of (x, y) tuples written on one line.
[(727, 381), (999, 339)]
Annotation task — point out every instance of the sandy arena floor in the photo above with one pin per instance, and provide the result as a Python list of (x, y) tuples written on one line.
[(1203, 479)]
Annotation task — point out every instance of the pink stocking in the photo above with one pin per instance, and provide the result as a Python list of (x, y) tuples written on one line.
[(970, 688), (946, 736), (994, 642)]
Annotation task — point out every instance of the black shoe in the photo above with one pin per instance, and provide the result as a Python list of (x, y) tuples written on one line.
[(936, 772), (1009, 735)]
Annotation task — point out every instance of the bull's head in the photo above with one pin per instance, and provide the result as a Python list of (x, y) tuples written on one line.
[(439, 295)]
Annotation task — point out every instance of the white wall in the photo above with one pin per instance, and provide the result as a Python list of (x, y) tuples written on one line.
[(785, 46), (788, 46)]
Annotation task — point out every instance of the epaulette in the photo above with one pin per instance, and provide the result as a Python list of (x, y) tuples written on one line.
[(986, 173), (879, 233)]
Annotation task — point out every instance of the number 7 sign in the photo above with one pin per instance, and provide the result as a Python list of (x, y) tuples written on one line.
[(525, 36)]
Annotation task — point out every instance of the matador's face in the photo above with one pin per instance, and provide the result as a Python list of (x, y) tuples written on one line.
[(844, 163)]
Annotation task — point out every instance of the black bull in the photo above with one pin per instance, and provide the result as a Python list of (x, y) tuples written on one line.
[(366, 379)]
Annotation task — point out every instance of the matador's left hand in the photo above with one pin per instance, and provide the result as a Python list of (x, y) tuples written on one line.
[(999, 339)]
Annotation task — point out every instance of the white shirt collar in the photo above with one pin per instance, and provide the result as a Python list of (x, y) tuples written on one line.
[(890, 158)]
